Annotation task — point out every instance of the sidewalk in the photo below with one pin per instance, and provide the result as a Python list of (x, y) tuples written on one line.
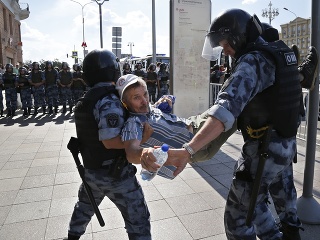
[(39, 184)]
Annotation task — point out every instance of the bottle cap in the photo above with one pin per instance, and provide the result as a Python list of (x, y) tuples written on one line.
[(165, 147)]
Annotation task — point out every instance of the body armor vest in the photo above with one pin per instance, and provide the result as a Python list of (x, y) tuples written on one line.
[(65, 77), (279, 104), (24, 79), (92, 150), (36, 77), (50, 77), (8, 80), (77, 83)]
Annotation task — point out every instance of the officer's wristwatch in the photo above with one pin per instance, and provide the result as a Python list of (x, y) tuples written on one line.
[(189, 149)]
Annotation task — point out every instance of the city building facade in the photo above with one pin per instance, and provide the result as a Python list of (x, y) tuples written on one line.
[(297, 32), (11, 14)]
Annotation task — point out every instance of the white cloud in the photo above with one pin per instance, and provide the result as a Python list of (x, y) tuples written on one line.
[(247, 2)]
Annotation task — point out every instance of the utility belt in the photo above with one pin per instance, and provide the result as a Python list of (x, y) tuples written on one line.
[(115, 167), (24, 87)]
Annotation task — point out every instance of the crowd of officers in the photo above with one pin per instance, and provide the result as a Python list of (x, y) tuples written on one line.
[(52, 87), (156, 77), (41, 89)]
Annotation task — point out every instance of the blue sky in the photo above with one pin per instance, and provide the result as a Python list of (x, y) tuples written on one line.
[(54, 28)]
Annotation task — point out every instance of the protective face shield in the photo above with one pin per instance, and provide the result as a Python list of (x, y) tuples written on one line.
[(22, 70), (235, 26), (210, 53)]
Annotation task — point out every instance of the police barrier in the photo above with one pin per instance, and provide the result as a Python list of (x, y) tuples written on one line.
[(213, 92)]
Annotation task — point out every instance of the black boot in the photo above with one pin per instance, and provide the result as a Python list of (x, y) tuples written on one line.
[(1, 112), (50, 110), (25, 112), (43, 109), (70, 108), (64, 109), (35, 111), (29, 110), (290, 232), (9, 113), (13, 112), (72, 237), (56, 109)]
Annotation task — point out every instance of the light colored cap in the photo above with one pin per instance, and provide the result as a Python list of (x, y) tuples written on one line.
[(124, 82)]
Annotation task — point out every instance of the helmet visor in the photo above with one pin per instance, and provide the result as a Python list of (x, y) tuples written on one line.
[(209, 52)]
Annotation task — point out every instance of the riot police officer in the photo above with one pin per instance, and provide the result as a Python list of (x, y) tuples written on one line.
[(25, 91), (151, 80), (37, 81), (65, 82), (138, 71), (52, 93), (99, 117), (163, 77), (78, 84), (266, 111), (10, 83), (126, 69)]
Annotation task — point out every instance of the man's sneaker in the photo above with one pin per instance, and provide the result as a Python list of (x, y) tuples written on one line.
[(289, 232), (308, 68)]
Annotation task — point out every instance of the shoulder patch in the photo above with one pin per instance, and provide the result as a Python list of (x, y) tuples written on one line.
[(290, 58), (112, 120)]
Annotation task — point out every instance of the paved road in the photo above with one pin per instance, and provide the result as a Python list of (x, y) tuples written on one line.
[(39, 183)]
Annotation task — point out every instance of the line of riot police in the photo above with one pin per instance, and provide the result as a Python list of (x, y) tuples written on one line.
[(156, 77), (41, 89)]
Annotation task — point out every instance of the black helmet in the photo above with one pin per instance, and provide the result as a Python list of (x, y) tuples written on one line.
[(237, 27), (138, 65), (152, 67), (270, 34), (163, 66), (9, 66), (126, 66), (64, 66), (100, 65), (48, 63), (35, 66), (76, 67), (22, 70)]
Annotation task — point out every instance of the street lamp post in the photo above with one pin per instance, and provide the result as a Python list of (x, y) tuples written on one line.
[(131, 44), (271, 13), (100, 2), (296, 24), (84, 44)]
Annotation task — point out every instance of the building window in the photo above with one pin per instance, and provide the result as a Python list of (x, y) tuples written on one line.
[(4, 11), (10, 24)]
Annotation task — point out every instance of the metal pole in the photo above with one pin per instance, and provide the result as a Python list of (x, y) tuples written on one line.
[(83, 39), (100, 2), (154, 51), (308, 207), (100, 14)]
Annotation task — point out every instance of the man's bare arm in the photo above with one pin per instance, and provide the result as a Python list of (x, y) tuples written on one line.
[(133, 151), (113, 143)]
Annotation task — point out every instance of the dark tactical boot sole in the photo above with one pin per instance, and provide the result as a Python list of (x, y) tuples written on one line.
[(308, 68)]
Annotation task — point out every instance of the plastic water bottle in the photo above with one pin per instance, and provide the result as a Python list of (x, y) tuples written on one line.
[(161, 154)]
